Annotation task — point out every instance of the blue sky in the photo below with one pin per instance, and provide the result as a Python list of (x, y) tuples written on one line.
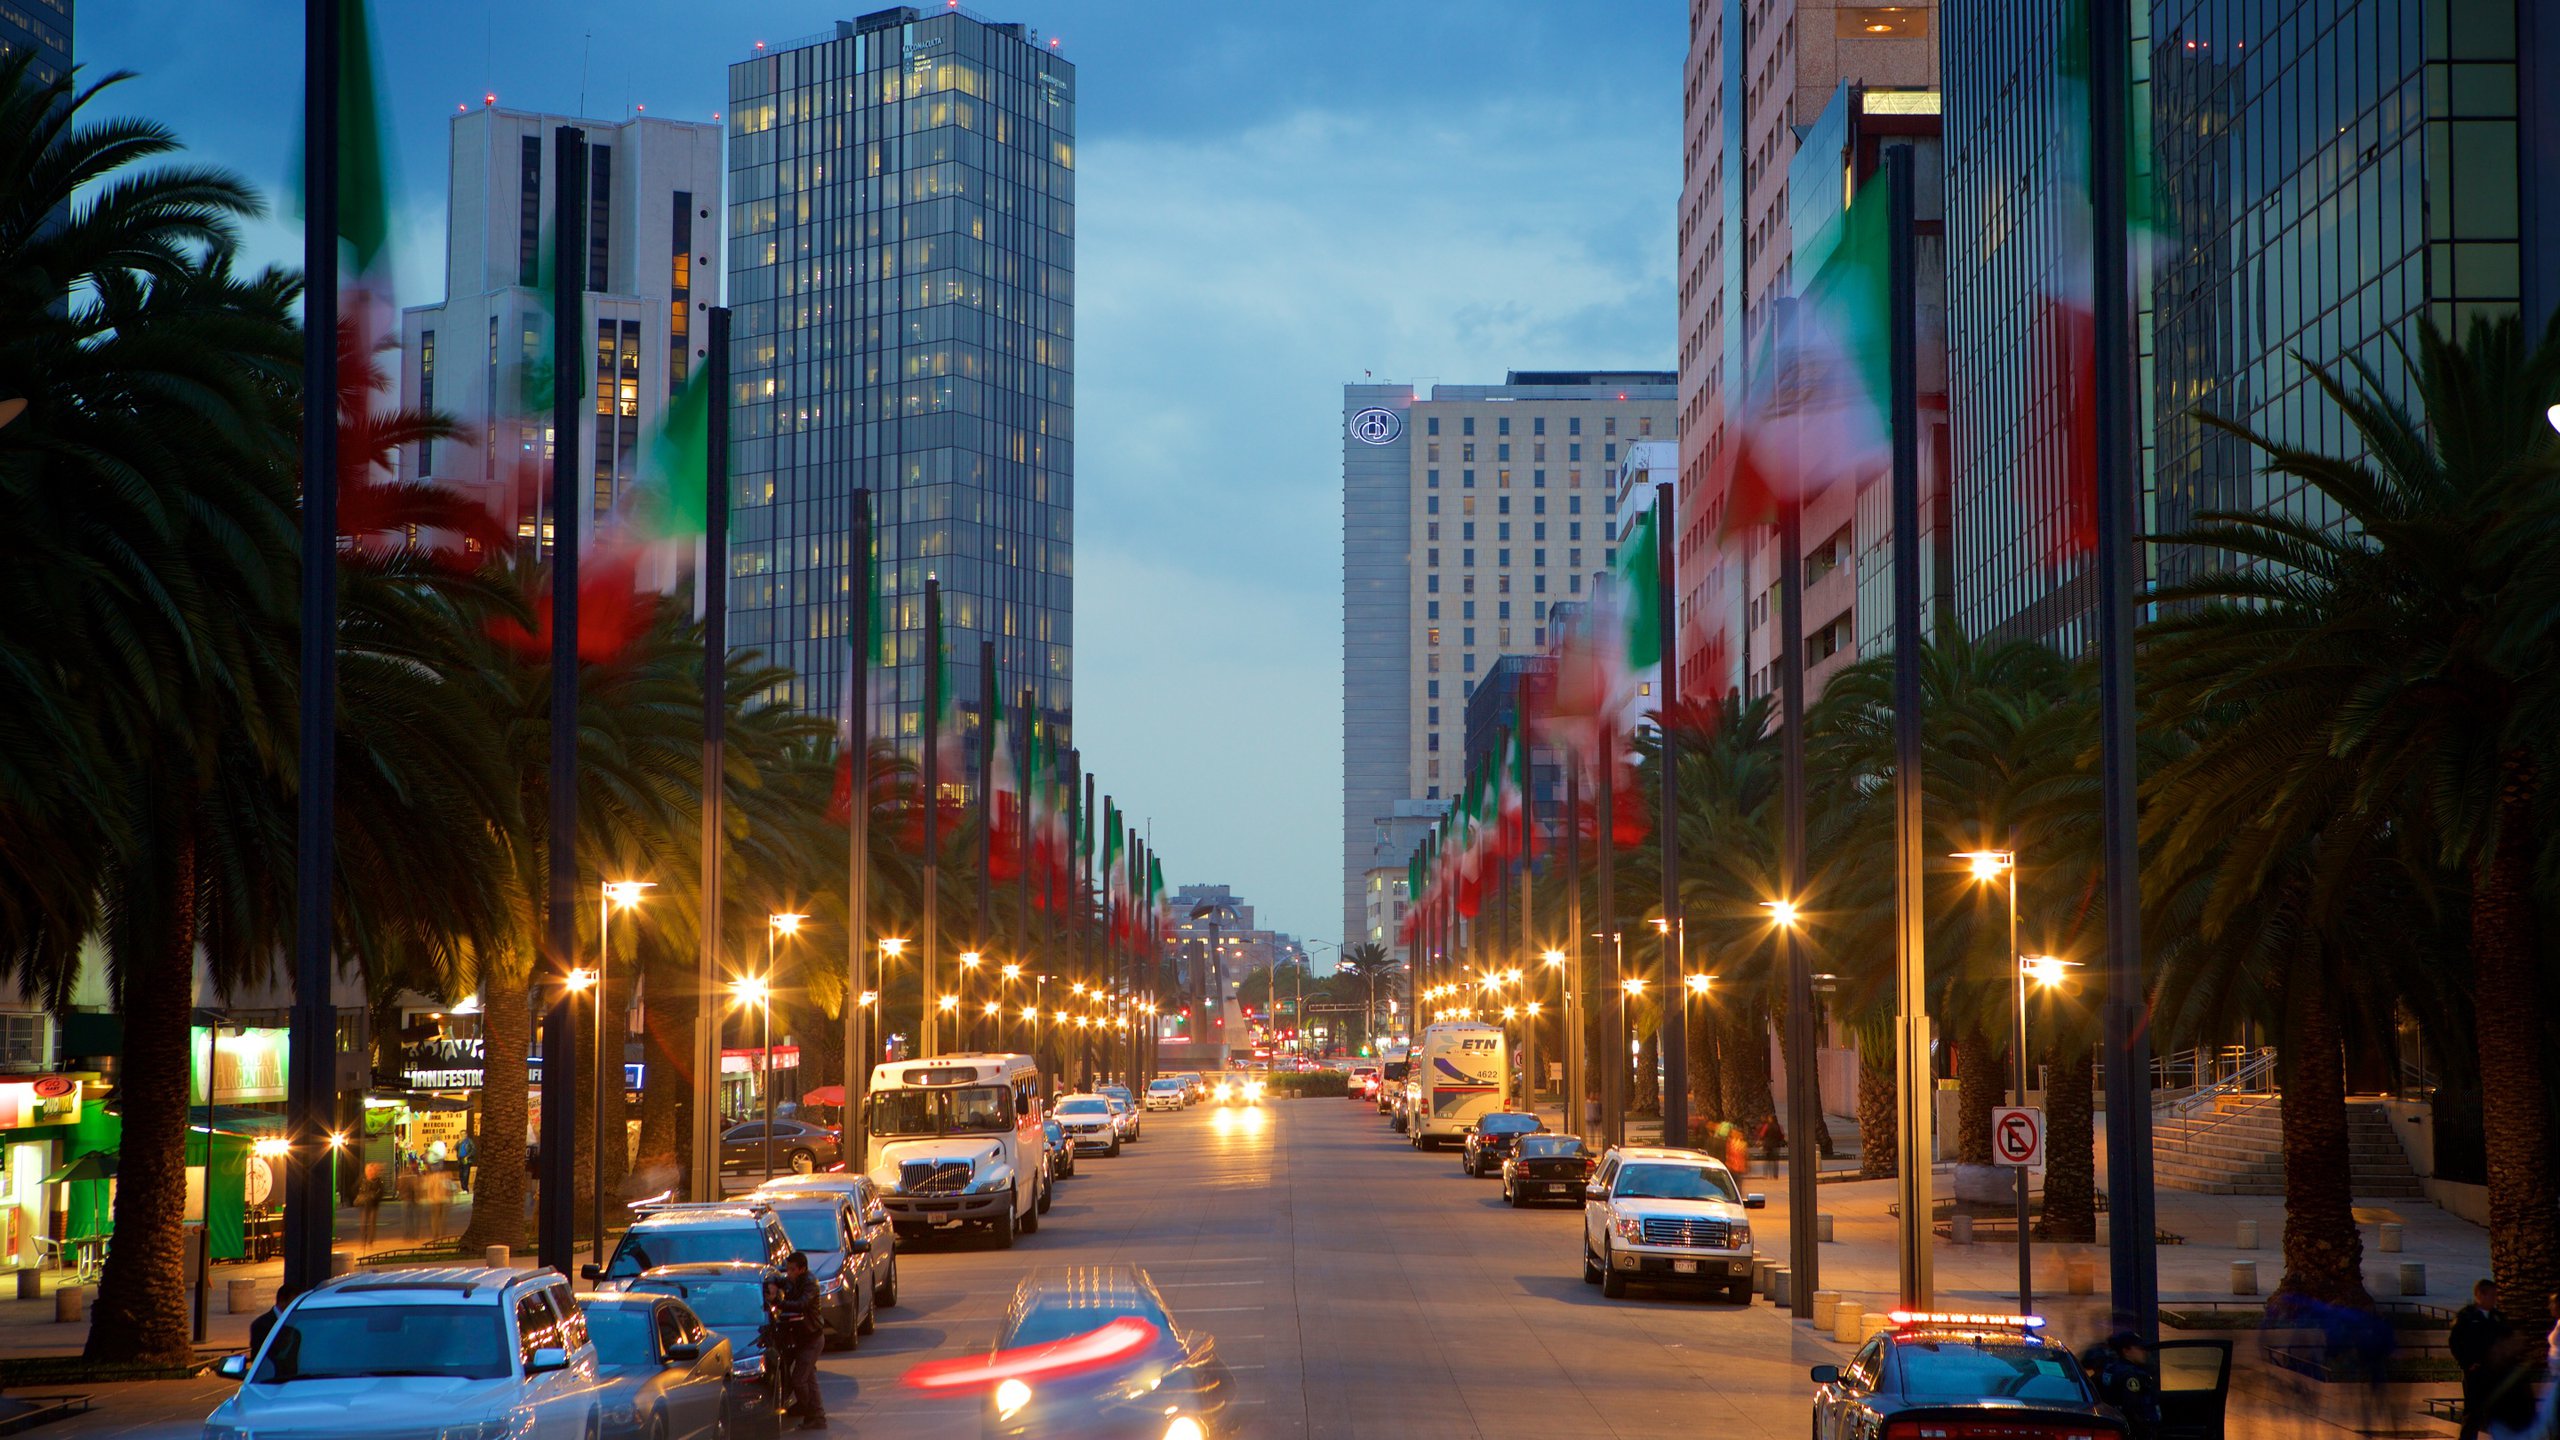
[(1274, 197)]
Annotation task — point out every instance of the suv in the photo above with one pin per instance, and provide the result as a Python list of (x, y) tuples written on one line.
[(1165, 1094), (1090, 1123), (1667, 1216), (484, 1351), (742, 1230), (827, 1227)]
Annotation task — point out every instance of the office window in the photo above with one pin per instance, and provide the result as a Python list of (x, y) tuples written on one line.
[(1434, 611), (1432, 530), (1502, 451), (1575, 587), (1467, 557), (1573, 452), (1434, 717), (1573, 425), (1431, 583), (1432, 689), (1466, 584), (1431, 662), (1502, 611), (1502, 586), (1608, 424), (1573, 504), (1573, 559), (1538, 451), (1538, 479), (1432, 426), (1431, 452), (1467, 479), (1609, 452), (1608, 559), (1502, 425), (1538, 586), (1502, 478), (1502, 637), (1467, 662), (1538, 425), (1502, 505), (1434, 482), (1538, 558), (1538, 530), (1573, 479), (426, 395), (1537, 504), (1609, 502), (1502, 531), (1433, 746), (1435, 790), (1466, 451), (1573, 531), (1469, 632), (1539, 610), (1431, 505), (680, 292), (1502, 557), (1467, 425), (1467, 530), (1644, 425), (1432, 557), (599, 217)]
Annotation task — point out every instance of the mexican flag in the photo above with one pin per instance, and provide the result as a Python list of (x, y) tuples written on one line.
[(862, 656), (1115, 897), (672, 501), (1005, 856), (1516, 840)]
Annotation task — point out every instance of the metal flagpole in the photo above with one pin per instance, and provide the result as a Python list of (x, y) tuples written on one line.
[(2133, 1269), (928, 1040), (703, 1178), (557, 1222), (1803, 1113), (1532, 965), (988, 698), (311, 1100), (1030, 779), (1576, 1064), (859, 1049), (1613, 995), (1674, 1040), (1913, 1096)]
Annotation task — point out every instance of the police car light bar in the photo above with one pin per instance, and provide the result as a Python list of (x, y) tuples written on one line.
[(1979, 1322)]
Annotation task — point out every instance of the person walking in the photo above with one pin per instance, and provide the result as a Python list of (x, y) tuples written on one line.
[(2480, 1334), (406, 1185), (799, 1336), (369, 1200), (435, 1188)]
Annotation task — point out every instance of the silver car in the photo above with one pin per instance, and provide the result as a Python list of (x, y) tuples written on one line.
[(486, 1352)]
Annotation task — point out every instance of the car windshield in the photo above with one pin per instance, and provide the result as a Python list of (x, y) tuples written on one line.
[(1674, 1182), (342, 1342), (811, 1228), (1042, 1324), (958, 1110), (1974, 1369), (1508, 1124), (1165, 1085), (1084, 1105), (1396, 1069), (1550, 1147), (624, 1334), (647, 1249), (718, 1302)]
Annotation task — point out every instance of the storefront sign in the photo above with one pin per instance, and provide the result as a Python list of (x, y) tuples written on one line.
[(248, 1065), (47, 1100)]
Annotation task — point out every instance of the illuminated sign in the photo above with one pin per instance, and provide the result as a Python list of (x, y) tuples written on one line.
[(1377, 426), (248, 1066)]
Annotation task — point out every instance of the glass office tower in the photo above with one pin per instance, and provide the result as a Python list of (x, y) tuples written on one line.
[(901, 246)]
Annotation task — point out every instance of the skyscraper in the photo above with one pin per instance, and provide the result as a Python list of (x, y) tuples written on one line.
[(901, 231), (43, 26), (653, 260), (1465, 515)]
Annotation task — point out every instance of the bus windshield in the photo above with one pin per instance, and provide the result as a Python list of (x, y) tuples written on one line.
[(957, 1110)]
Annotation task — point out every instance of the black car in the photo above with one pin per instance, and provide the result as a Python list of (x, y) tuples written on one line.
[(1933, 1373), (1491, 1138), (1543, 1168), (1087, 1352), (661, 1374), (798, 1146)]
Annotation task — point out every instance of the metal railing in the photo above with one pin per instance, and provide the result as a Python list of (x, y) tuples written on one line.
[(2196, 1112)]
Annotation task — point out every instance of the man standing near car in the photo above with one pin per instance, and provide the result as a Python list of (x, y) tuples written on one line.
[(2479, 1335), (799, 1337)]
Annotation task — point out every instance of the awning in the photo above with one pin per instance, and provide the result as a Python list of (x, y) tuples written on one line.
[(824, 1095), (95, 1165)]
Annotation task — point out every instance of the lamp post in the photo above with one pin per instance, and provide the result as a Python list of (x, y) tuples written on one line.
[(1991, 866), (610, 895), (1804, 1257), (758, 991)]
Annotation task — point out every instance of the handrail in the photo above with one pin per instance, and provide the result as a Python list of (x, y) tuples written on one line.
[(2246, 1076)]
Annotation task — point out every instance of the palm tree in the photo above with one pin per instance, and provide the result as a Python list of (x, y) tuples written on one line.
[(1370, 963), (2394, 672)]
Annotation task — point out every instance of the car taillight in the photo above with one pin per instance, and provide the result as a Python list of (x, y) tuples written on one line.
[(1995, 1430), (1111, 1344)]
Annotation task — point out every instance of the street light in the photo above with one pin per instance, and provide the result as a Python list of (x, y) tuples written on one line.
[(611, 895), (1989, 866), (1782, 913), (1698, 983), (970, 960), (757, 990)]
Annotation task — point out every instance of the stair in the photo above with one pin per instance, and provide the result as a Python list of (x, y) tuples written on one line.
[(2238, 1149)]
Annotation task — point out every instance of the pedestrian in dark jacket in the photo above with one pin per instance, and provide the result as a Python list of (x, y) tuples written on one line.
[(2479, 1335), (2125, 1381), (799, 1337)]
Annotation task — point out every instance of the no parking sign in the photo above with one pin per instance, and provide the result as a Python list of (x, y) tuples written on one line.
[(2017, 1136)]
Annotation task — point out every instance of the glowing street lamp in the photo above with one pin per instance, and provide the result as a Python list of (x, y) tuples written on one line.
[(757, 990), (1990, 867), (1782, 913)]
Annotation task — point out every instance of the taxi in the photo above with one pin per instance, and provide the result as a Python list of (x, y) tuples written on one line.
[(1936, 1375)]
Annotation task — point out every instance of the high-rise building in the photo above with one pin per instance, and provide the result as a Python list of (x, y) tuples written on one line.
[(653, 263), (43, 26), (1758, 73), (902, 262), (1466, 514)]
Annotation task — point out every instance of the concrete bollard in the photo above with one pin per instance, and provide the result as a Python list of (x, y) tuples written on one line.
[(1822, 1229), (1960, 1230), (31, 1284), (240, 1297), (1761, 1269), (2106, 1230), (2080, 1276), (498, 1257), (67, 1303), (1781, 1293), (1844, 1321), (1872, 1324), (342, 1262), (2244, 1277), (1826, 1305), (2247, 1239), (2413, 1277), (2390, 1237)]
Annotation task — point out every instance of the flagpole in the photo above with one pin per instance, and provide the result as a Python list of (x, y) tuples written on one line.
[(1911, 1019), (311, 1101), (929, 1042), (1802, 1114), (2133, 1268), (1613, 998), (1673, 1039), (858, 1052), (1085, 927), (986, 928), (1530, 963), (1577, 1081), (712, 581), (557, 1221), (1030, 781)]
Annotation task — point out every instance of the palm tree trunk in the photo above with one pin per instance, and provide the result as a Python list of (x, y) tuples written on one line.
[(1647, 1095), (1812, 1067), (666, 1138), (2515, 1104), (1879, 1111), (141, 1314), (624, 984), (1706, 1073), (2323, 1251), (2071, 1166), (506, 1045), (1742, 1044), (1979, 1087)]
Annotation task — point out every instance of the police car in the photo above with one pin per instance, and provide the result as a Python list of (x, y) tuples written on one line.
[(1936, 1375)]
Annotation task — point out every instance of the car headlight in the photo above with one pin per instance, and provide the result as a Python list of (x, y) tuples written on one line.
[(1629, 1227), (1222, 1090), (749, 1367), (991, 1181), (1184, 1428), (1741, 1237), (1011, 1396)]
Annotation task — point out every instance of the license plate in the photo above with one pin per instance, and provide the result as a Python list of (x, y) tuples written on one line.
[(1684, 1267), (1559, 1189)]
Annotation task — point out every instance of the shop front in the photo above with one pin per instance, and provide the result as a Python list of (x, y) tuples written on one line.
[(742, 1076), (47, 1123)]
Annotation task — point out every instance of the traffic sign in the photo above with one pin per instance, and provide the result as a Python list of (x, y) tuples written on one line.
[(2017, 1135)]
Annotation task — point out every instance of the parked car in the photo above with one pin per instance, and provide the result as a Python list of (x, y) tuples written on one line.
[(863, 1194), (1090, 1350), (1165, 1094), (1489, 1141), (1362, 1083), (1546, 1168), (503, 1352), (1670, 1217), (744, 1230), (797, 1146), (1125, 1116), (728, 1296), (827, 1228), (1090, 1123), (1195, 1086), (661, 1374), (1062, 1150)]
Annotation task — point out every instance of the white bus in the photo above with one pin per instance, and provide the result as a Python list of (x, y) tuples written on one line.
[(1459, 1068), (959, 1140)]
